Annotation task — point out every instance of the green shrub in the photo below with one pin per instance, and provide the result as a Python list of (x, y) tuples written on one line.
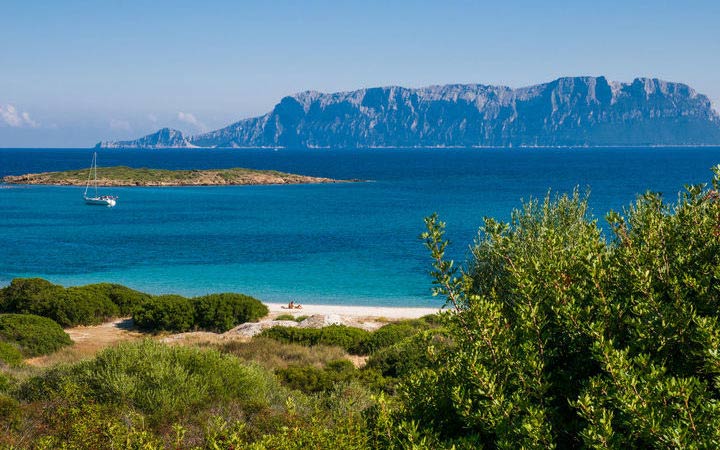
[(214, 312), (221, 312), (348, 338), (5, 382), (293, 335), (123, 297), (33, 334), (384, 337), (166, 313), (25, 294), (568, 339), (162, 381), (10, 412), (10, 354), (310, 379), (76, 306), (68, 307), (291, 317), (410, 354), (273, 354), (285, 317)]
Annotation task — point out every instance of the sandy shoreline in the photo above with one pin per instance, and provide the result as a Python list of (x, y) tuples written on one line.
[(388, 312)]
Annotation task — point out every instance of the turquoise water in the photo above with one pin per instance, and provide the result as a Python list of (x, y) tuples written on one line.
[(341, 243)]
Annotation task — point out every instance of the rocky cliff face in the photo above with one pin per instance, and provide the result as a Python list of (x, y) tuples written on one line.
[(574, 111), (164, 138)]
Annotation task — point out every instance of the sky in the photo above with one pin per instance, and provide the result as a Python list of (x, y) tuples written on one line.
[(73, 73)]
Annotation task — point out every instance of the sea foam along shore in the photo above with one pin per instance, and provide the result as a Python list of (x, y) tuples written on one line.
[(388, 312)]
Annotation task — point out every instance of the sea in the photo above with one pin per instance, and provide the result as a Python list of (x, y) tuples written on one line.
[(350, 243)]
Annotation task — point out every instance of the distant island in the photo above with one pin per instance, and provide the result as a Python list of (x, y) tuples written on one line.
[(127, 176), (570, 111)]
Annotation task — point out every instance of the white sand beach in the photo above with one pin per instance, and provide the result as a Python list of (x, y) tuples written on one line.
[(357, 312)]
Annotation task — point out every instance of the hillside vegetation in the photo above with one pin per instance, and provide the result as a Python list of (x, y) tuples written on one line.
[(128, 176)]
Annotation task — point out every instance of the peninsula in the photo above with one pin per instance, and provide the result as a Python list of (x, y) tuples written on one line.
[(127, 176)]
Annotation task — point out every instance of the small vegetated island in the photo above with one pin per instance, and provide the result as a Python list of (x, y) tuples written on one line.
[(128, 176)]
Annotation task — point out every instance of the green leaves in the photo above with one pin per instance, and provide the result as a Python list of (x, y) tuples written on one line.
[(565, 339), (213, 312)]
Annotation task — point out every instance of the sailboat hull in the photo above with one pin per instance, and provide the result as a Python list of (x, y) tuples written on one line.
[(109, 202)]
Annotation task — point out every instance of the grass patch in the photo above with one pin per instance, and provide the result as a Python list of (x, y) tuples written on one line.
[(273, 354), (348, 338), (291, 317)]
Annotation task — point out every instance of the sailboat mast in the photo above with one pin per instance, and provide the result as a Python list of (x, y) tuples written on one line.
[(95, 164), (90, 174)]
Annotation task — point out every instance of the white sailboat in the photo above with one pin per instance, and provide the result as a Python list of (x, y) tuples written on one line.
[(101, 200)]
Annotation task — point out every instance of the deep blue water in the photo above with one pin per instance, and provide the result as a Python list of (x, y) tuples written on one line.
[(346, 243)]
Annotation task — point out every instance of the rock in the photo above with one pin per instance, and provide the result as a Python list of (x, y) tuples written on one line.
[(322, 320), (250, 329), (569, 111), (164, 138)]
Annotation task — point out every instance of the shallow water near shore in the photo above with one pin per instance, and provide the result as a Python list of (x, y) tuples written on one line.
[(351, 243)]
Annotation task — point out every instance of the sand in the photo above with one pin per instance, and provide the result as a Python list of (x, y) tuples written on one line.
[(354, 312)]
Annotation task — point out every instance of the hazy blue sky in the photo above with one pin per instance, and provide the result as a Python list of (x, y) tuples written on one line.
[(75, 72)]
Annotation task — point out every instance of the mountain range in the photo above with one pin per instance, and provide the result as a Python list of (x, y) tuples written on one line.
[(569, 111)]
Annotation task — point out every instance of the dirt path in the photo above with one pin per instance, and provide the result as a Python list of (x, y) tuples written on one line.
[(88, 340)]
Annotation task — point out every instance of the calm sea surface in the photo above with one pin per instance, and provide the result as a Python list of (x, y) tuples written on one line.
[(348, 243)]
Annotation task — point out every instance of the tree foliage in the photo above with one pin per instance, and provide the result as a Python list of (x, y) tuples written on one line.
[(215, 312), (566, 338), (221, 312), (80, 305)]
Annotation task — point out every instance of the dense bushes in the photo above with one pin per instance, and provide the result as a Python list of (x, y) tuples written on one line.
[(161, 381), (215, 312), (411, 353), (348, 338), (123, 297), (10, 353), (394, 333), (221, 312), (82, 305), (33, 335), (566, 339), (96, 303), (313, 379), (354, 340), (167, 313)]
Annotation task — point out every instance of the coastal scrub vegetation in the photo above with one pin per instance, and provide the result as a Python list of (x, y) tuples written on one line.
[(565, 337), (80, 305), (29, 335), (130, 176), (355, 341), (96, 303), (214, 312), (557, 333)]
